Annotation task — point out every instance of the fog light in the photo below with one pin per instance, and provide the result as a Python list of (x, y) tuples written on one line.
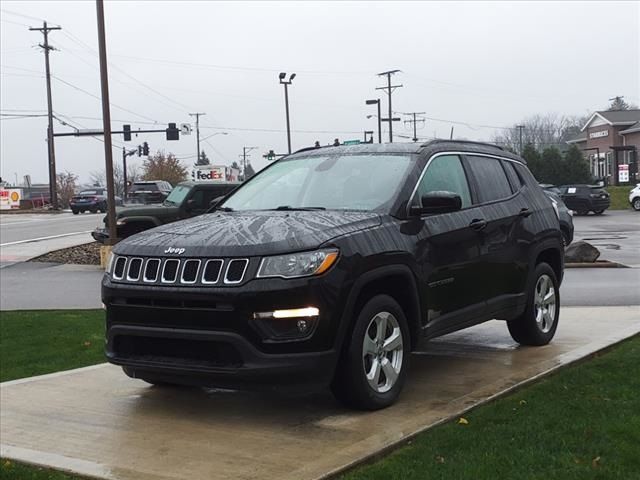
[(289, 313), (302, 326)]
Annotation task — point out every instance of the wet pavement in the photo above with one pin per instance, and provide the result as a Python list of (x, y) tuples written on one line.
[(96, 421)]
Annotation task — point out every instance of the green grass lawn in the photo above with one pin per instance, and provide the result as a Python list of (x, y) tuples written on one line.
[(581, 423), (619, 197), (45, 341)]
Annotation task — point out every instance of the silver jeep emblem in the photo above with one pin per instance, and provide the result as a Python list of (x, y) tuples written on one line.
[(177, 251)]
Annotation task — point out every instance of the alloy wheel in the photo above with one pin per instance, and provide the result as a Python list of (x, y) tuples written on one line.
[(545, 303), (382, 352)]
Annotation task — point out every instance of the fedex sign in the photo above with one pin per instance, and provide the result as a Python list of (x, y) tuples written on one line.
[(214, 173)]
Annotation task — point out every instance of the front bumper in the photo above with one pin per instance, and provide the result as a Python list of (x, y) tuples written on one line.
[(208, 336), (101, 235)]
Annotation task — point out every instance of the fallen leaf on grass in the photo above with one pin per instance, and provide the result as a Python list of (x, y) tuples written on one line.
[(595, 463), (463, 421), (523, 402), (439, 459), (86, 344), (7, 463)]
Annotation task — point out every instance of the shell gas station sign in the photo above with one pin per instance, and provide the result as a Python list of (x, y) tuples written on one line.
[(10, 198)]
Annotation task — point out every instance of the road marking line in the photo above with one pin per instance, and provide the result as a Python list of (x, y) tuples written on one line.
[(39, 239)]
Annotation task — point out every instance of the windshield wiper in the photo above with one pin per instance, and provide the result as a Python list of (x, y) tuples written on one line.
[(222, 209), (302, 209)]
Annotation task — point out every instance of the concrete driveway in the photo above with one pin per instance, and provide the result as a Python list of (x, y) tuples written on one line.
[(96, 421)]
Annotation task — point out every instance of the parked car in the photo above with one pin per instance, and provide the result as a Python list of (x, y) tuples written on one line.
[(565, 216), (186, 200), (583, 199), (151, 191), (634, 198), (329, 265), (93, 200)]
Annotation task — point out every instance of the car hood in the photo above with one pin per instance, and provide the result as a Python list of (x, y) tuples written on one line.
[(248, 233), (142, 210)]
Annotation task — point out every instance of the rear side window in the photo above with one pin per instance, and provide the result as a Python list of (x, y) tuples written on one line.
[(514, 180), (445, 173), (490, 178)]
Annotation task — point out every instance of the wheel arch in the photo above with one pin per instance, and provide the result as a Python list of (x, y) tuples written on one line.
[(398, 282)]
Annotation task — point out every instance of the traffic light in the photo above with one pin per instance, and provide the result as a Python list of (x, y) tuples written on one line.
[(173, 133), (139, 150), (270, 155), (127, 132), (145, 149)]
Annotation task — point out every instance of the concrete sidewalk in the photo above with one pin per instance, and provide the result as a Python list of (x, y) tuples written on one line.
[(39, 285), (96, 421)]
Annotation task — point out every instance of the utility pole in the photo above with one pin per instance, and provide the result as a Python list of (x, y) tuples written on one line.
[(106, 123), (197, 115), (520, 129), (415, 122), (126, 154), (51, 154), (244, 156), (389, 90)]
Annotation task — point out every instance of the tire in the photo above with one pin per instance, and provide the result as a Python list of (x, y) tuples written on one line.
[(539, 322), (582, 213), (635, 204), (598, 212), (75, 212), (351, 385), (565, 238)]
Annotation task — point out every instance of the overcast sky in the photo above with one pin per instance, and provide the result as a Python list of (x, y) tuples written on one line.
[(481, 64)]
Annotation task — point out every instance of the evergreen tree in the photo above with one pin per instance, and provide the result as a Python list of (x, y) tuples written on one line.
[(203, 159), (576, 167)]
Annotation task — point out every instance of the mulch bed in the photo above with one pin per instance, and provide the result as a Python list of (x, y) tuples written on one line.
[(87, 254)]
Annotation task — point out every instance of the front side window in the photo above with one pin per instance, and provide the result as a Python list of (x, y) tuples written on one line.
[(333, 182), (490, 177), (177, 195), (445, 173)]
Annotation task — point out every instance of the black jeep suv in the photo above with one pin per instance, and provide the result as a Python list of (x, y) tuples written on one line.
[(328, 266)]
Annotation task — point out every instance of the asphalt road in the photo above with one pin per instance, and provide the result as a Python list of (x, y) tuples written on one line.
[(28, 227)]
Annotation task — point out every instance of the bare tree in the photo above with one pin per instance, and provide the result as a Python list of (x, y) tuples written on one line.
[(541, 131), (99, 178), (66, 184), (163, 166)]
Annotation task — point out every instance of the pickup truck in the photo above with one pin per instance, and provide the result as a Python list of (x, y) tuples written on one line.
[(187, 199)]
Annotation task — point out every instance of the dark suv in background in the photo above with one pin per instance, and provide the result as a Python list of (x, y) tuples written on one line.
[(151, 191), (583, 199), (328, 266)]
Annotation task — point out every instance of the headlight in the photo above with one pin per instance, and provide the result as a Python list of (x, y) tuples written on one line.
[(110, 259), (121, 221), (295, 265)]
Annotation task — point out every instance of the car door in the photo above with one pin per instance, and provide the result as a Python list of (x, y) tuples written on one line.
[(447, 249), (501, 210)]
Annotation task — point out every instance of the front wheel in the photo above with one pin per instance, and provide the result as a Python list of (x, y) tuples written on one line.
[(636, 204), (372, 369), (538, 324), (598, 212)]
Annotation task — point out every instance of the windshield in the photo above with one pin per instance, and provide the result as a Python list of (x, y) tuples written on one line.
[(338, 182), (89, 192), (144, 187), (177, 195)]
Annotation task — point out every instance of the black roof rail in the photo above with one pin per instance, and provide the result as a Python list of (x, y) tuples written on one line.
[(470, 142), (306, 149)]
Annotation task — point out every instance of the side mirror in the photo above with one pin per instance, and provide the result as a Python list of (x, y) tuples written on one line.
[(438, 202), (190, 204)]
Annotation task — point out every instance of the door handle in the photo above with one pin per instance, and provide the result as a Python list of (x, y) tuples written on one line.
[(478, 224), (525, 212)]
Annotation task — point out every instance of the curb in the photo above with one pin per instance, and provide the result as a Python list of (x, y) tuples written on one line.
[(596, 264)]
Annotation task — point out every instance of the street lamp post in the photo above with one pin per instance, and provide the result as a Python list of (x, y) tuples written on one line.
[(377, 102), (286, 84)]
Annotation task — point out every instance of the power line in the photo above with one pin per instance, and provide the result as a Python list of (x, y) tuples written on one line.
[(414, 120)]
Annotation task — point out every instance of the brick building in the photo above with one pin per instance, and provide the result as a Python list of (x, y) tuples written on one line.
[(610, 141)]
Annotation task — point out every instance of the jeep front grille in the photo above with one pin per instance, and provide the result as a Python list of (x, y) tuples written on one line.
[(180, 271)]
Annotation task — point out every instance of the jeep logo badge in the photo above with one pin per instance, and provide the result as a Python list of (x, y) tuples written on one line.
[(177, 251)]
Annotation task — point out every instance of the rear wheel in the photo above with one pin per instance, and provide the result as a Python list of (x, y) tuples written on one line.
[(598, 212), (372, 369), (75, 212), (636, 204), (538, 324), (582, 212)]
